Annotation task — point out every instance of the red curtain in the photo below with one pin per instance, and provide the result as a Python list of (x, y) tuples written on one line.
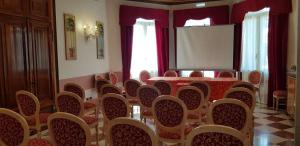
[(162, 39), (277, 55), (126, 46), (237, 46), (128, 16)]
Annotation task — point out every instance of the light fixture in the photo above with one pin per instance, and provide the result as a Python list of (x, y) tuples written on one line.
[(90, 32), (200, 5)]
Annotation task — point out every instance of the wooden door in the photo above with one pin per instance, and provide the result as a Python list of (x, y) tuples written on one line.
[(14, 7), (40, 59), (14, 59)]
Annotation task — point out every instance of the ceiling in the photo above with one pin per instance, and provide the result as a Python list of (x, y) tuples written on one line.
[(172, 2)]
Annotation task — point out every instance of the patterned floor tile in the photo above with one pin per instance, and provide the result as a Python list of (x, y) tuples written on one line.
[(288, 122), (275, 119), (287, 143), (279, 126), (267, 129), (291, 130), (284, 134), (263, 121)]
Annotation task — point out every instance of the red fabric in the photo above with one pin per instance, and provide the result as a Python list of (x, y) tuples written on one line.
[(276, 7), (238, 29), (278, 39), (218, 15), (162, 42), (126, 45), (218, 85)]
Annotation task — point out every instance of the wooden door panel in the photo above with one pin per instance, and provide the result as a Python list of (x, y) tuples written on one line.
[(15, 52), (41, 50), (13, 6), (40, 8)]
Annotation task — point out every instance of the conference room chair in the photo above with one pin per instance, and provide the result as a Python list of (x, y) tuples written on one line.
[(244, 84), (216, 135), (196, 74), (279, 95), (99, 84), (194, 101), (29, 108), (109, 88), (144, 76), (255, 78), (205, 88), (225, 74), (147, 94), (14, 131), (113, 78), (69, 102), (243, 94), (77, 89), (170, 73), (131, 87), (69, 130), (232, 113), (170, 116), (130, 132), (113, 106), (164, 87)]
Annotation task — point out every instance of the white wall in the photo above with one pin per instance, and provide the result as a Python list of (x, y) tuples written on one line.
[(86, 13)]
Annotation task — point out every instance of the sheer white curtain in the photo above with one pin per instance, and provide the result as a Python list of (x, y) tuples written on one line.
[(255, 47), (144, 49)]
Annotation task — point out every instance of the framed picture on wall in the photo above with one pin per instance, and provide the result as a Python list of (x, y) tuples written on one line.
[(100, 40), (70, 37)]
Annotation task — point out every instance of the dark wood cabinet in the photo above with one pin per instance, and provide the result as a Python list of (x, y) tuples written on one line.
[(27, 54)]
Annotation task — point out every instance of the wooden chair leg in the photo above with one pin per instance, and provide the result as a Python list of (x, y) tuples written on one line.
[(277, 102)]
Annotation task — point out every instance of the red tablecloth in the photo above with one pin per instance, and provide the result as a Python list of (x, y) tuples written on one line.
[(218, 85)]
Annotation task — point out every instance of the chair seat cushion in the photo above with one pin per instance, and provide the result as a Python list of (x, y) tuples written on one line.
[(147, 113), (89, 105), (133, 101), (89, 119), (193, 116), (43, 119), (171, 135), (38, 142), (280, 93)]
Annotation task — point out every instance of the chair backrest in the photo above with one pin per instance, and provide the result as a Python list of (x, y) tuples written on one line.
[(69, 102), (99, 83), (164, 87), (109, 88), (196, 74), (67, 129), (243, 94), (216, 135), (170, 73), (75, 88), (28, 104), (170, 113), (131, 87), (14, 130), (230, 112), (255, 77), (225, 74), (192, 97), (144, 76), (204, 87), (147, 94), (126, 131), (114, 106), (244, 85), (113, 77)]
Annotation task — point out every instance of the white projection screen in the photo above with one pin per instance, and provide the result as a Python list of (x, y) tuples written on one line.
[(205, 47)]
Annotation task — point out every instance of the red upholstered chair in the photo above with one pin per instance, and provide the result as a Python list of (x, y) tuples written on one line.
[(170, 115), (14, 131), (130, 132), (232, 113), (147, 94), (244, 84), (99, 84), (216, 135), (164, 87), (194, 101), (109, 88), (255, 78), (69, 130), (243, 94), (225, 74), (113, 77), (277, 96), (69, 102), (144, 76), (196, 74), (131, 87), (29, 107), (113, 106), (170, 73), (205, 88), (77, 89)]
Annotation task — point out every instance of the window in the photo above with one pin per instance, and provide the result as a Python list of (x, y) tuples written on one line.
[(144, 48), (202, 22), (255, 46)]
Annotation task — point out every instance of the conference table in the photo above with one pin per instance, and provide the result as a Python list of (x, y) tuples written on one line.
[(218, 85)]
